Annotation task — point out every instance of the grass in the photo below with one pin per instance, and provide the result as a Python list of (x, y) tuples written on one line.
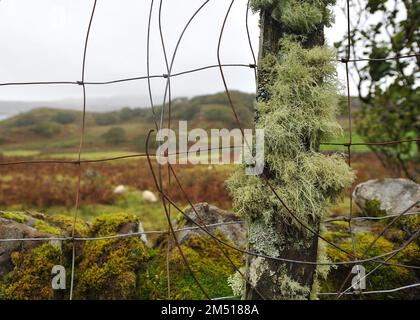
[(345, 139), (20, 153), (115, 151)]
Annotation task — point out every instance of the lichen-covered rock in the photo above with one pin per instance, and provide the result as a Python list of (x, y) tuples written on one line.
[(208, 215), (109, 268), (384, 278), (104, 269), (207, 261), (10, 229), (30, 277), (387, 196)]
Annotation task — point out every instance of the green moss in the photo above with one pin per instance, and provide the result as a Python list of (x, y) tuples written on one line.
[(109, 224), (65, 223), (207, 262), (394, 235), (44, 226), (373, 208), (107, 269), (410, 224), (386, 277), (31, 275), (15, 216), (342, 225)]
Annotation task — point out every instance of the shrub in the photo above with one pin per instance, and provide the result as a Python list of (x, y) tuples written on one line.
[(46, 129), (114, 136), (105, 119), (126, 114), (25, 120), (64, 118)]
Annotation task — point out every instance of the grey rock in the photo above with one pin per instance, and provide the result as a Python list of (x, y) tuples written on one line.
[(13, 230), (209, 215), (130, 227), (393, 195)]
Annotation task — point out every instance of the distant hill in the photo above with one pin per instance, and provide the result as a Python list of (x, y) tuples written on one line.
[(58, 130), (12, 108)]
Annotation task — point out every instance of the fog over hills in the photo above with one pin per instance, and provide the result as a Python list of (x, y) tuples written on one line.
[(101, 104)]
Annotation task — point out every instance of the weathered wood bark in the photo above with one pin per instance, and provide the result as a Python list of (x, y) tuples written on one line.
[(272, 279)]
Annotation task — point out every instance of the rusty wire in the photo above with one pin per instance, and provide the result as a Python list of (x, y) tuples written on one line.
[(82, 136), (166, 201)]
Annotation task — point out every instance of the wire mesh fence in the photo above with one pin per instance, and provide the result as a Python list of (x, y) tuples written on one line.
[(168, 203)]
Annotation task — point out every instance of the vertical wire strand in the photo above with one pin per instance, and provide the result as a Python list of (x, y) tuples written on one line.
[(178, 245), (349, 145), (254, 58), (149, 86), (79, 178), (159, 180)]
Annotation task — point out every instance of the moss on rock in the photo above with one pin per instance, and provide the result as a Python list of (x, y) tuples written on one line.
[(44, 226), (31, 275), (107, 269), (65, 223), (387, 277), (14, 216), (207, 262), (373, 208)]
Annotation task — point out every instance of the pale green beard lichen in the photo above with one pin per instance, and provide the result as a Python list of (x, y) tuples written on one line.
[(300, 113), (256, 270), (299, 16), (290, 289), (237, 283), (297, 108)]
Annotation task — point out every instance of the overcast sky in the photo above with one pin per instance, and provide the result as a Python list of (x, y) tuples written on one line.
[(42, 40)]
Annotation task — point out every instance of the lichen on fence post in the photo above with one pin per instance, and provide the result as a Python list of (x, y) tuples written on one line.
[(297, 104)]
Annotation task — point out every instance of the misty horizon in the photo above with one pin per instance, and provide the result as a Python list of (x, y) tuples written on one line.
[(45, 43), (97, 104)]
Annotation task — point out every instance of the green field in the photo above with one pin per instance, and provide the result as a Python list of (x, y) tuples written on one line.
[(346, 139)]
